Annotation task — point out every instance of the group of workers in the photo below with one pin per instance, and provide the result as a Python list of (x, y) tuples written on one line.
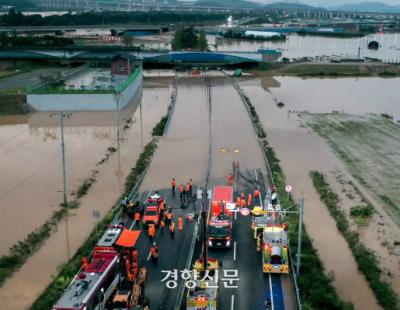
[(185, 191), (242, 202), (131, 260)]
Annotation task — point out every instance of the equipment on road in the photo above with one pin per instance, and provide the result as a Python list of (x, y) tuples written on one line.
[(151, 215), (103, 283), (270, 231), (219, 229), (132, 207)]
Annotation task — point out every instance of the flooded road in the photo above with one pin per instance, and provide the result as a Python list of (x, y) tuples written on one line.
[(24, 287), (301, 151)]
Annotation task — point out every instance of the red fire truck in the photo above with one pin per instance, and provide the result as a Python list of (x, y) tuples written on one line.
[(219, 228)]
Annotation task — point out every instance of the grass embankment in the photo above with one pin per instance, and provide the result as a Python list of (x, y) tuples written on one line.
[(12, 101), (316, 289), (20, 68), (340, 70), (367, 262), (68, 270)]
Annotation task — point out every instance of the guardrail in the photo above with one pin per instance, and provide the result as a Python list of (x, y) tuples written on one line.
[(293, 275)]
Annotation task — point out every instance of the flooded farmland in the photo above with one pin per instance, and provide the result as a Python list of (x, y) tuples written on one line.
[(301, 150), (31, 182)]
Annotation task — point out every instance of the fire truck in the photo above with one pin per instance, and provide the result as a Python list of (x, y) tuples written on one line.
[(271, 233), (104, 277), (219, 228)]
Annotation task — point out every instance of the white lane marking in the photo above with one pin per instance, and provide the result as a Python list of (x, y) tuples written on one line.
[(148, 257), (235, 216), (255, 171), (232, 302), (270, 293), (234, 250), (133, 224)]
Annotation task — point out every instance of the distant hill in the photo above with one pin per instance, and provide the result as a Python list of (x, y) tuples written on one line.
[(289, 5), (228, 3), (18, 4), (373, 7)]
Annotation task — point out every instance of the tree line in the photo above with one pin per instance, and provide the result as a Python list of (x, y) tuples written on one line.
[(186, 38), (16, 18)]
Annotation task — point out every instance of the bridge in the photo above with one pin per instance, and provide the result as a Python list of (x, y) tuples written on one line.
[(158, 57)]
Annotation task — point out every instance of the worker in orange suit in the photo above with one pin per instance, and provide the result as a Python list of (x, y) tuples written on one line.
[(256, 194), (180, 223), (173, 186), (190, 186), (127, 266), (152, 232), (135, 255), (162, 225), (249, 199), (85, 263), (181, 193), (238, 200), (172, 230), (188, 192), (242, 195), (137, 217), (230, 179), (243, 203), (134, 270)]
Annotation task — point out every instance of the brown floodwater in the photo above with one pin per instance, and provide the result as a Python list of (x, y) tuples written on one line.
[(30, 158), (349, 95), (301, 151)]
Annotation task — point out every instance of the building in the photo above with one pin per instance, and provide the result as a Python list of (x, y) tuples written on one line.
[(122, 64)]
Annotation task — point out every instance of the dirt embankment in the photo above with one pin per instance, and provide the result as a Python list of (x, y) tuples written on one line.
[(328, 69)]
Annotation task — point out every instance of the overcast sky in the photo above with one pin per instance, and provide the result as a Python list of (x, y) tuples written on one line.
[(331, 3)]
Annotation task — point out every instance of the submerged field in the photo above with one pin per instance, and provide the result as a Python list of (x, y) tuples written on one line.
[(370, 148)]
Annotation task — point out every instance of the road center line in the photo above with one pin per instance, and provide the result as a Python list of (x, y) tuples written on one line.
[(232, 302), (270, 292), (234, 250)]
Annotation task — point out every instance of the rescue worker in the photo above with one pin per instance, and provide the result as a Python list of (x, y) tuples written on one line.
[(259, 241), (180, 223), (137, 218), (134, 270), (162, 208), (172, 230), (162, 225), (243, 203), (188, 196), (249, 199), (135, 255), (85, 263), (181, 192), (151, 231), (238, 200), (230, 179), (127, 266), (242, 195), (154, 252), (173, 185), (190, 187), (257, 194), (168, 217)]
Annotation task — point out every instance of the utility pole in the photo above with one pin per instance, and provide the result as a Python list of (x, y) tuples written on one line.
[(301, 213), (62, 116)]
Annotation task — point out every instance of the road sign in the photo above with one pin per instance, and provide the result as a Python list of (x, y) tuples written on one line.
[(245, 211), (288, 188), (230, 206)]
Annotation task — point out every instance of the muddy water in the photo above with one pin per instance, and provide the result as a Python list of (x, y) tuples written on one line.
[(233, 137), (183, 153), (31, 162), (307, 46), (350, 95), (24, 287), (301, 151)]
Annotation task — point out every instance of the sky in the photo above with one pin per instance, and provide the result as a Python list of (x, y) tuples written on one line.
[(332, 3)]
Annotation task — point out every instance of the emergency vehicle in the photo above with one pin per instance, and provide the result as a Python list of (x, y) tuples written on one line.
[(219, 228)]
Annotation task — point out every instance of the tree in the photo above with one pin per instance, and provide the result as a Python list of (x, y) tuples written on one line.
[(127, 40), (202, 43)]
